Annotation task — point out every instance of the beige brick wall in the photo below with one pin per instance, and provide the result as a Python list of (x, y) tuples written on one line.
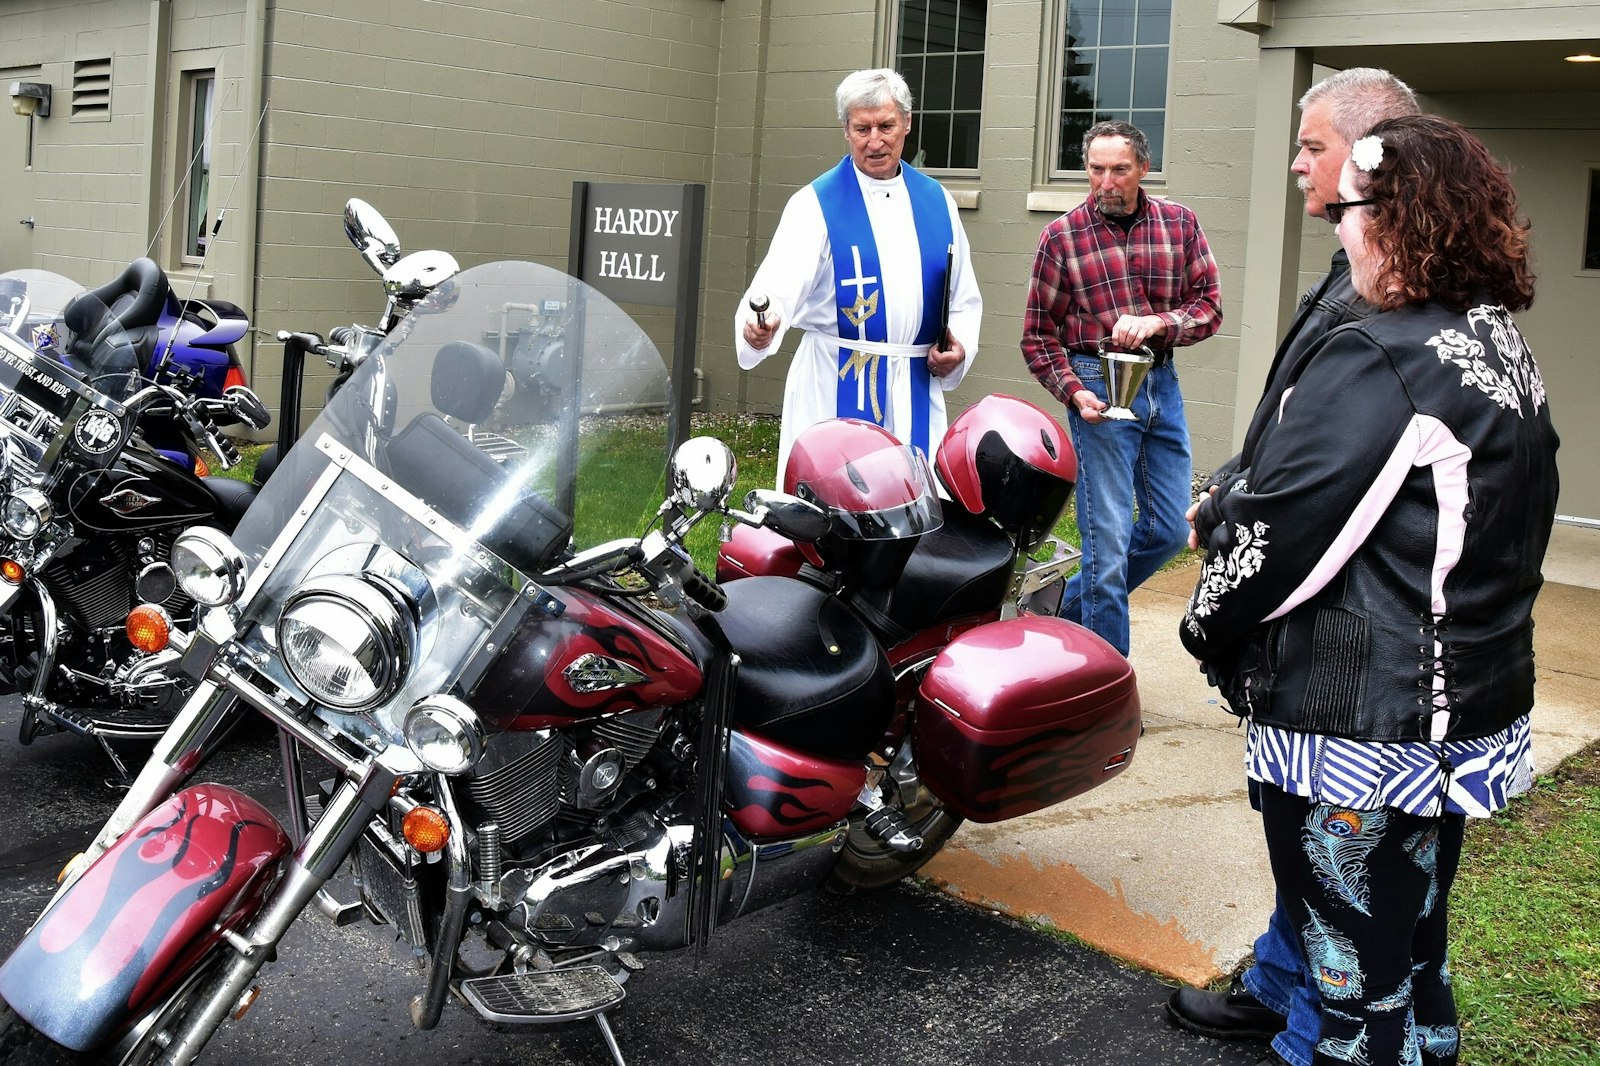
[(95, 203), (466, 124)]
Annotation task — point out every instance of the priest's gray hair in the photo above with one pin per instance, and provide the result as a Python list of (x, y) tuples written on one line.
[(870, 90)]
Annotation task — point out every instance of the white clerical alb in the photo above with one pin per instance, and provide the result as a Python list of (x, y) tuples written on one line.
[(797, 277)]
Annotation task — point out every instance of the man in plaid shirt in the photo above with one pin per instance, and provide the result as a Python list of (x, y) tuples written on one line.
[(1133, 269)]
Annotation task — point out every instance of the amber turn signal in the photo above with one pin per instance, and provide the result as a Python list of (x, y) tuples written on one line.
[(200, 467), (149, 627), (425, 829), (12, 571)]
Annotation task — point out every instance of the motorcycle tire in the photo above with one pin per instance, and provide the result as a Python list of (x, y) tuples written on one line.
[(868, 863), (23, 1045)]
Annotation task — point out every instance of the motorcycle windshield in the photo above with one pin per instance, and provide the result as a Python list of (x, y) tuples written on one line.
[(441, 409), (44, 319), (432, 478), (32, 303)]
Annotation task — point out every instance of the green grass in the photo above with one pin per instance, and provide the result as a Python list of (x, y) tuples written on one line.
[(624, 481), (246, 468), (1525, 917)]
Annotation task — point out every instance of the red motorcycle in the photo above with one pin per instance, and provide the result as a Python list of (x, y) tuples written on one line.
[(540, 743)]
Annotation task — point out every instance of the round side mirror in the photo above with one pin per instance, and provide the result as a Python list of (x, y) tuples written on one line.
[(418, 274), (372, 235), (701, 474), (790, 516)]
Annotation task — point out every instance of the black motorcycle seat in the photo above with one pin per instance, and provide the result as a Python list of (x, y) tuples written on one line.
[(961, 568), (455, 478), (233, 499), (811, 674), (136, 296)]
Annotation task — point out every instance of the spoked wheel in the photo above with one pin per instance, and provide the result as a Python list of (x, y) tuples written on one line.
[(23, 1045), (867, 861)]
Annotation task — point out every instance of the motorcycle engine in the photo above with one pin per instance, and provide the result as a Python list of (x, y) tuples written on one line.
[(576, 838)]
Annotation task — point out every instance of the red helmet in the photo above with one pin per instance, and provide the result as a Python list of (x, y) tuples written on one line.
[(873, 487), (1005, 459)]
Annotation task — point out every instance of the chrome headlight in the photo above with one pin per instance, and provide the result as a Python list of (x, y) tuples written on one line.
[(347, 642), (210, 570), (26, 512), (445, 734)]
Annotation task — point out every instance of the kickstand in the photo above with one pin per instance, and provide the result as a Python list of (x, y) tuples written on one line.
[(124, 779), (610, 1038)]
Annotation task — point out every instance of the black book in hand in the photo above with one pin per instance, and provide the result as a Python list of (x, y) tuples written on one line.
[(943, 340)]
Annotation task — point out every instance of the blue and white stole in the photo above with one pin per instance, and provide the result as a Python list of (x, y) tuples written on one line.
[(863, 389)]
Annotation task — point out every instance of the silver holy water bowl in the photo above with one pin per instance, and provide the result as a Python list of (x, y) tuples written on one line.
[(1123, 373)]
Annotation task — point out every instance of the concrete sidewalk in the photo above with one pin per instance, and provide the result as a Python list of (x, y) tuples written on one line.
[(1164, 865)]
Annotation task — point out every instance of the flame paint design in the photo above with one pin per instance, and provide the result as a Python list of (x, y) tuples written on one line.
[(144, 914)]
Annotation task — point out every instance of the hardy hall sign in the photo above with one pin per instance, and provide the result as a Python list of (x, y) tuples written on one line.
[(635, 239), (640, 244)]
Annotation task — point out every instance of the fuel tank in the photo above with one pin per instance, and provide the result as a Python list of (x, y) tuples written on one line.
[(139, 491), (594, 661)]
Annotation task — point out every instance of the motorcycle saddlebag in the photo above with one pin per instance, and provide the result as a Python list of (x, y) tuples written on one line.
[(1020, 714)]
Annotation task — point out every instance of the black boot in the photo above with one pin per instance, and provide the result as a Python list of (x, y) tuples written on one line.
[(1231, 1015)]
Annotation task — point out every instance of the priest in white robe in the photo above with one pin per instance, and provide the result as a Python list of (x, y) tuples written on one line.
[(864, 261)]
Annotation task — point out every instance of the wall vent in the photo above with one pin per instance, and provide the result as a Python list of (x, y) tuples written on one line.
[(91, 89)]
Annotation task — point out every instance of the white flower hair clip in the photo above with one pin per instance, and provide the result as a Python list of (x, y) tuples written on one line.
[(1367, 153)]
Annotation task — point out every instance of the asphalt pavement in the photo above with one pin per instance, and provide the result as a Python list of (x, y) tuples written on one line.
[(902, 976)]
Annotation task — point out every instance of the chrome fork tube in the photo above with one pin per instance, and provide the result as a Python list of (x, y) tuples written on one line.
[(316, 860), (49, 640), (425, 1010), (175, 757)]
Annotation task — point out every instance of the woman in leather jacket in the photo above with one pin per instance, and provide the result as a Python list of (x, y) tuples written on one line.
[(1366, 599)]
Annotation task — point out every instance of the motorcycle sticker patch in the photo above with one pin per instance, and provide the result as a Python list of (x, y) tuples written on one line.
[(97, 432), (45, 337)]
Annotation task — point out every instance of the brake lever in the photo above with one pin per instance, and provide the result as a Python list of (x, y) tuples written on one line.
[(204, 430)]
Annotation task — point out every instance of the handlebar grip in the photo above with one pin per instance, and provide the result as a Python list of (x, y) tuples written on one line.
[(704, 591), (341, 334), (225, 449)]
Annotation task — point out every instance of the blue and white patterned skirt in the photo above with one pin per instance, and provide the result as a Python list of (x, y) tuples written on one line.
[(1471, 777)]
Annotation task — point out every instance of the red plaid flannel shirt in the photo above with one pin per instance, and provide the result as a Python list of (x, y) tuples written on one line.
[(1082, 282)]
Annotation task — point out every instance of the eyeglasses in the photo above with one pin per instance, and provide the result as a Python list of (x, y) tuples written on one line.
[(1335, 211)]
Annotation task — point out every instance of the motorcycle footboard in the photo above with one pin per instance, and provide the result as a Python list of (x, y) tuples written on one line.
[(544, 996), (143, 915), (1021, 714)]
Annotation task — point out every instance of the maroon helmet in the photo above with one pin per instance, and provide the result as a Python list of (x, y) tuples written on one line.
[(1005, 459), (878, 494)]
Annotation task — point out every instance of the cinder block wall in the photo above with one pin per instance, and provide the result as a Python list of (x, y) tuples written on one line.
[(466, 124), (105, 179)]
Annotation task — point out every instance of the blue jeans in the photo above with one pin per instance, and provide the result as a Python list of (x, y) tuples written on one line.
[(1134, 484), (1278, 980)]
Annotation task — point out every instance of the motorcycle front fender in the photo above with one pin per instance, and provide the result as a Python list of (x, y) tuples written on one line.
[(144, 915)]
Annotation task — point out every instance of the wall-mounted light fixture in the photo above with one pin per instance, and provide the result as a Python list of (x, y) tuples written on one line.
[(31, 98)]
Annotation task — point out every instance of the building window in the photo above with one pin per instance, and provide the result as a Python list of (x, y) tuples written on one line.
[(200, 97), (1591, 240), (940, 54), (1113, 65)]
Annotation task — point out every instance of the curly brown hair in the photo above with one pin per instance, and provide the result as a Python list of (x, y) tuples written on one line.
[(1445, 218)]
